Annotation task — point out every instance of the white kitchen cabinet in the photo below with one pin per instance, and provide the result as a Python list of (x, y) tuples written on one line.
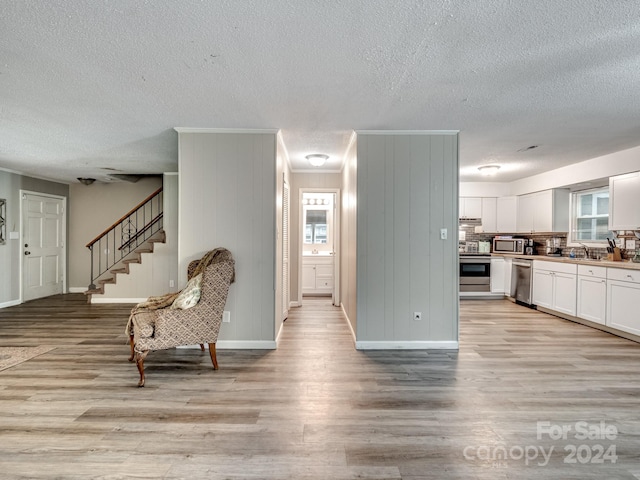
[(592, 293), (497, 275), (508, 266), (624, 198), (546, 211), (623, 293), (506, 212), (470, 207), (489, 214), (554, 286), (317, 275), (542, 288)]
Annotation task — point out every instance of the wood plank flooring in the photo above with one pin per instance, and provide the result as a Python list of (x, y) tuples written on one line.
[(316, 408)]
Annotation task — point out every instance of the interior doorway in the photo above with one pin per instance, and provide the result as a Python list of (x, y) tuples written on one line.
[(43, 227), (319, 261)]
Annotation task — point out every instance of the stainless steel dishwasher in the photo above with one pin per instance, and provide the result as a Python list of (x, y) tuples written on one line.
[(521, 284)]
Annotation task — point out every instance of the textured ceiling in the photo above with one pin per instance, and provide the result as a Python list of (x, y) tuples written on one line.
[(89, 87)]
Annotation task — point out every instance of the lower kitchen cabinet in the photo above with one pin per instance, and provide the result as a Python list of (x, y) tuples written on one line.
[(623, 293), (508, 266), (592, 293), (554, 286), (317, 275), (497, 276)]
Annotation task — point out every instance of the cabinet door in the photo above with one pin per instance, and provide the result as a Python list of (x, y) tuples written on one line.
[(542, 211), (308, 278), (526, 210), (624, 196), (489, 214), (622, 306), (592, 299), (497, 275), (471, 207), (564, 293), (542, 288), (508, 266), (506, 211)]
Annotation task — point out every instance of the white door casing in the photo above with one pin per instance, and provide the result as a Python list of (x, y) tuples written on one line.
[(43, 228), (286, 286)]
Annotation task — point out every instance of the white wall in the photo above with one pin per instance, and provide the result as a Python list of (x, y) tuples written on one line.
[(228, 199), (617, 163), (407, 191), (10, 252), (282, 174), (348, 284)]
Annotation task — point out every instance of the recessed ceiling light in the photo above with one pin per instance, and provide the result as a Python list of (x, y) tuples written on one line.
[(489, 169)]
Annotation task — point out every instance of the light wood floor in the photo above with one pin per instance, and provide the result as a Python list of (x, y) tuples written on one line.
[(316, 408)]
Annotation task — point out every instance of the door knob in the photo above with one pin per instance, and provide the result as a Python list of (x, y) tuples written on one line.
[(27, 253)]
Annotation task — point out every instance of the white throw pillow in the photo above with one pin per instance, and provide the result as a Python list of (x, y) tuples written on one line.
[(190, 295)]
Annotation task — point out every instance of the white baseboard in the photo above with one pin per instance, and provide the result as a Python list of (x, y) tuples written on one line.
[(95, 299), (279, 333), (11, 303), (238, 345), (77, 289), (346, 317), (246, 345), (294, 304), (408, 345)]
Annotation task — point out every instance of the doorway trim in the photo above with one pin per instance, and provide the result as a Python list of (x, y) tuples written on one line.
[(22, 196), (335, 294)]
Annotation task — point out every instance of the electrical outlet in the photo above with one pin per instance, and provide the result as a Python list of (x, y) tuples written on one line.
[(172, 283), (417, 316), (443, 234), (226, 316), (631, 244)]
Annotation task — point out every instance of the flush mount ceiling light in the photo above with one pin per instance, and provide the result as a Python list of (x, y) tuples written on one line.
[(317, 159), (489, 169), (86, 181)]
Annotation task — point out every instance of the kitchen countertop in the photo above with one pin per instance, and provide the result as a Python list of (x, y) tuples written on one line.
[(628, 264)]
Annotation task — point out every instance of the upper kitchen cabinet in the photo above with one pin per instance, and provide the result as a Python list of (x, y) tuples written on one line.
[(470, 207), (546, 211), (489, 214), (483, 208), (506, 211), (624, 198)]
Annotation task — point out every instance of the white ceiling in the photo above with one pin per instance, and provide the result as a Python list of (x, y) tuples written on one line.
[(89, 87)]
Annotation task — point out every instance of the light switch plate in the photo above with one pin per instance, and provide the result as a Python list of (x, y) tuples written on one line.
[(14, 235)]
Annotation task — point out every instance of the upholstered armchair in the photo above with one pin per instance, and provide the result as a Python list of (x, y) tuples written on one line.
[(161, 328)]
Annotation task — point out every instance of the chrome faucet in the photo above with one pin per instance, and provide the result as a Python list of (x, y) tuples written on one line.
[(586, 250)]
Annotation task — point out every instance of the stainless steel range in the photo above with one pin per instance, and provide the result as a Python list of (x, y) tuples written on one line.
[(475, 272)]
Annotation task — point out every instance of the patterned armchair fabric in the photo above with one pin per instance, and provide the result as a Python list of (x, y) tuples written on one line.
[(167, 328)]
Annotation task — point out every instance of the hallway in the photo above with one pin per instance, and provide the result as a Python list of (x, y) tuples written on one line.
[(315, 408)]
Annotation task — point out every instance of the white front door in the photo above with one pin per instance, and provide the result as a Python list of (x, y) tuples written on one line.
[(43, 246)]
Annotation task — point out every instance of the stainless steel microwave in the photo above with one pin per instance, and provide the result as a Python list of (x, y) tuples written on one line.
[(508, 245)]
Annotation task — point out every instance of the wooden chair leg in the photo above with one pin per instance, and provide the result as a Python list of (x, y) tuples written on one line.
[(140, 364), (212, 353), (202, 347), (132, 356)]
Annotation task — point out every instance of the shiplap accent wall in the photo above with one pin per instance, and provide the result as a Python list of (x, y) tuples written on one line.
[(348, 233), (407, 191), (228, 199)]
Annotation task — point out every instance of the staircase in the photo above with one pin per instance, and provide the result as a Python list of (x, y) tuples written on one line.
[(124, 242)]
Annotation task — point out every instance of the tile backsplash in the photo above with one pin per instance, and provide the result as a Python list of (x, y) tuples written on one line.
[(467, 229)]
